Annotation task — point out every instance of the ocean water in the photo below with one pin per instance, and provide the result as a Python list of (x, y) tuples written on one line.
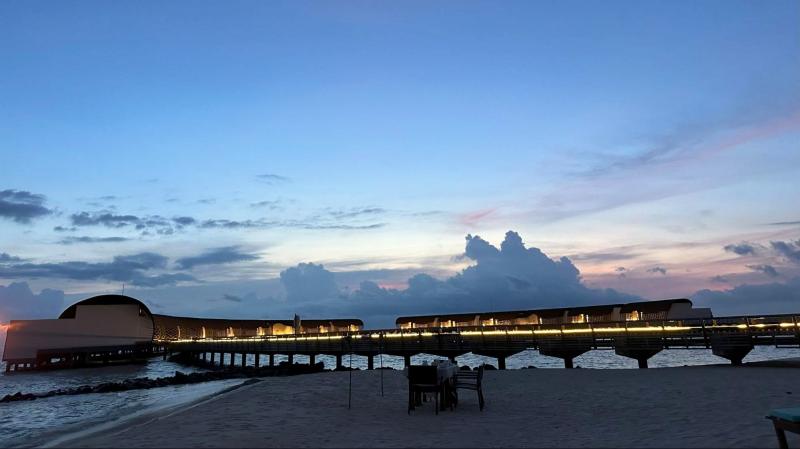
[(27, 422), (31, 422)]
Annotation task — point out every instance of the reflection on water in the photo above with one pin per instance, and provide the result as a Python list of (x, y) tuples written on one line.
[(20, 421)]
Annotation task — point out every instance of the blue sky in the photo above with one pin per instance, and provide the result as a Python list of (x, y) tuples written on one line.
[(371, 137)]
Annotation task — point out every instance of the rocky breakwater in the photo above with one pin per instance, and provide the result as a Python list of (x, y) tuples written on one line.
[(179, 378)]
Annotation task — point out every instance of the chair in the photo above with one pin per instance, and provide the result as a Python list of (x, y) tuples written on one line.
[(423, 379), (471, 380), (784, 419)]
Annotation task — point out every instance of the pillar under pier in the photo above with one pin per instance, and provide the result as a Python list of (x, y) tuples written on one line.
[(338, 361), (291, 359), (272, 359), (564, 348), (733, 347), (638, 347), (407, 360), (370, 362)]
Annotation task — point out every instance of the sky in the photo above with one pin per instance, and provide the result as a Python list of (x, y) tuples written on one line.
[(373, 159)]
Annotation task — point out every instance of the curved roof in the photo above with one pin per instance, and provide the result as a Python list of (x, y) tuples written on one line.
[(103, 300)]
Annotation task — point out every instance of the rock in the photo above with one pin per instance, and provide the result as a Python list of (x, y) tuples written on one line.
[(464, 368)]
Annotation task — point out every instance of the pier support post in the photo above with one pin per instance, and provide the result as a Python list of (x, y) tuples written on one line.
[(733, 347), (312, 358), (501, 362), (370, 362), (407, 360), (639, 347), (257, 359), (566, 348), (291, 359), (272, 359), (212, 357), (233, 359), (244, 360), (338, 361)]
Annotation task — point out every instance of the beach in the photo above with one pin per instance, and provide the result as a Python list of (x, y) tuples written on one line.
[(710, 406)]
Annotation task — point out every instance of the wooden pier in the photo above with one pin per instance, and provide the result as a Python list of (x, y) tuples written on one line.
[(728, 337)]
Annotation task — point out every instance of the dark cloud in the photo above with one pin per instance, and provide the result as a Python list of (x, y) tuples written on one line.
[(216, 256), (505, 278), (773, 298), (232, 224), (621, 271), (7, 258), (295, 224), (184, 221), (104, 219), (146, 224), (785, 223), (789, 250), (356, 212), (87, 239), (719, 279), (232, 298), (130, 269), (18, 302), (207, 201), (22, 206), (65, 229), (661, 270), (741, 249), (769, 270), (271, 178), (272, 205)]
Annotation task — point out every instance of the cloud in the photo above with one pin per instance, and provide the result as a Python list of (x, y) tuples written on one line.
[(719, 279), (741, 249), (272, 205), (308, 281), (86, 239), (105, 219), (7, 258), (789, 250), (22, 206), (661, 270), (184, 221), (272, 179), (773, 298), (621, 271), (216, 256), (295, 224), (505, 278), (769, 270), (65, 229), (154, 223), (356, 212), (129, 269), (232, 298), (603, 256), (785, 223), (18, 302)]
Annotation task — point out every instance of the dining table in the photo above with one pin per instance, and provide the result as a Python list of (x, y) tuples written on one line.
[(445, 371)]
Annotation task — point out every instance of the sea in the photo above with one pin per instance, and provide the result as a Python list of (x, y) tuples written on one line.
[(48, 420)]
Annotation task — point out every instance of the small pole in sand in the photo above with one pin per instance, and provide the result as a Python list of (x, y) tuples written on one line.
[(381, 361), (350, 390)]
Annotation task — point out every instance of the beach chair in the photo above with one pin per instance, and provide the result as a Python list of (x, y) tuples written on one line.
[(784, 419), (471, 380), (421, 380)]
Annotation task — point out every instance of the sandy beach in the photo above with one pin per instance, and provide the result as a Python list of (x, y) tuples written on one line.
[(714, 406)]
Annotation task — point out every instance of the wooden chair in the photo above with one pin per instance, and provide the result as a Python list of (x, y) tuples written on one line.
[(784, 419), (471, 380), (423, 379)]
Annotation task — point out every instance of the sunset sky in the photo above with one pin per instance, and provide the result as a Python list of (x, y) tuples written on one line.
[(195, 151)]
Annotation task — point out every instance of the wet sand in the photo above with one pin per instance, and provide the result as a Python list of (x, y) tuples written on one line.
[(713, 406)]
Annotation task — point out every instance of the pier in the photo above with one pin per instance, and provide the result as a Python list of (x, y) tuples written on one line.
[(728, 337)]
